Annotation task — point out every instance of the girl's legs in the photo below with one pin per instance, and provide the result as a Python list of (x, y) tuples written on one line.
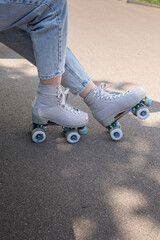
[(46, 22), (102, 104), (75, 77), (45, 25)]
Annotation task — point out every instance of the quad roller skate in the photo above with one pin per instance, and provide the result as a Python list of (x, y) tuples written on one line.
[(138, 110), (109, 106), (50, 109)]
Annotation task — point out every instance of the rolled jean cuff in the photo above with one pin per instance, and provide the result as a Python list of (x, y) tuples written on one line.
[(75, 77), (54, 75), (84, 85)]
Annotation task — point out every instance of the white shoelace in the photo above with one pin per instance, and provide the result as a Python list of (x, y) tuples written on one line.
[(63, 95), (101, 92)]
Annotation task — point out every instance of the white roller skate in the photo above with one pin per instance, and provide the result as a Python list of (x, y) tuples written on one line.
[(109, 106), (50, 108)]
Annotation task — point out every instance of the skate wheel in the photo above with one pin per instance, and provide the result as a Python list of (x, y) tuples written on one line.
[(82, 131), (148, 101), (116, 134), (38, 135), (118, 125), (134, 111), (142, 113), (72, 136)]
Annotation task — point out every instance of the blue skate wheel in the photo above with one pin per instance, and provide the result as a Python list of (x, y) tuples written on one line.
[(134, 111), (72, 136), (148, 101), (38, 135), (142, 113), (82, 131), (116, 134)]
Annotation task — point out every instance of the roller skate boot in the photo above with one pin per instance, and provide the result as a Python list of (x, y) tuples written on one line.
[(109, 106), (50, 108)]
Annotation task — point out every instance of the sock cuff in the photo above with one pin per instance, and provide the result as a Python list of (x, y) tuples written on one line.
[(48, 89)]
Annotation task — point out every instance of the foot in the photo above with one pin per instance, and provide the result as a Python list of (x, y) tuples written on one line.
[(50, 105), (105, 105)]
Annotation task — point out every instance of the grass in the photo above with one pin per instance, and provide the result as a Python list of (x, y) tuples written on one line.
[(156, 2)]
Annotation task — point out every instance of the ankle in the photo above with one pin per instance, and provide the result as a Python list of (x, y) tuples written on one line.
[(51, 81), (91, 86)]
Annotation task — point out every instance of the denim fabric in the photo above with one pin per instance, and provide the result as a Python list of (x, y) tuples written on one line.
[(37, 30), (46, 22)]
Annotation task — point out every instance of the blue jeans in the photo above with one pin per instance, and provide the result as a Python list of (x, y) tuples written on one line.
[(37, 30)]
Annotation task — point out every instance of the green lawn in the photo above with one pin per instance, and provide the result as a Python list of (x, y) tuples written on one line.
[(156, 2)]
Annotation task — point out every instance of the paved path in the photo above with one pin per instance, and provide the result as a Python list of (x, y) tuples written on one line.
[(96, 189)]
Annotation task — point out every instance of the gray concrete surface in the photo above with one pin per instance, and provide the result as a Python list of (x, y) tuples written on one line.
[(97, 189)]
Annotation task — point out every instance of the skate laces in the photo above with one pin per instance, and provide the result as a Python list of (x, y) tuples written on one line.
[(102, 92), (62, 96)]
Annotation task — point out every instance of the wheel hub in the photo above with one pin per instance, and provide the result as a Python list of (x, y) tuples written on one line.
[(143, 113), (116, 134), (39, 136)]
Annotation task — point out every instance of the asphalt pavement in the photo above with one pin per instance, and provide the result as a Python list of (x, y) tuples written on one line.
[(96, 189)]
